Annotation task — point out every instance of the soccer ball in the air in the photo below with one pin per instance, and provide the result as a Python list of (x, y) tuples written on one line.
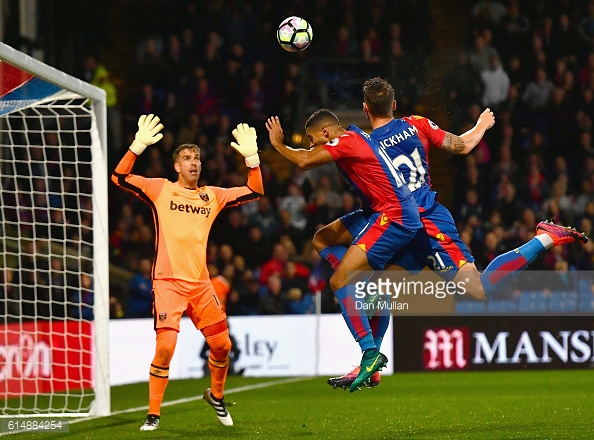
[(294, 34)]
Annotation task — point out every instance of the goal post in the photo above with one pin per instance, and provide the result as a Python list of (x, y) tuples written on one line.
[(54, 256)]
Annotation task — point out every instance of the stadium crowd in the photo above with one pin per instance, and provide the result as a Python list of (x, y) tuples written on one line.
[(217, 63)]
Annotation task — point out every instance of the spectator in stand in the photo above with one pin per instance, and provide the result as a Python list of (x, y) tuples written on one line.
[(584, 150), (257, 247), (244, 298), (82, 298), (276, 265), (232, 231), (462, 85), (298, 237), (585, 196), (299, 299), (345, 46), (349, 204), (586, 26), (514, 30), (559, 199), (58, 286), (116, 310), (254, 102), (538, 91), (140, 291), (294, 203), (152, 67), (273, 299), (505, 169), (492, 248), (581, 257), (495, 83), (482, 52), (538, 187), (266, 217), (206, 104), (406, 76), (495, 9), (471, 208), (567, 42), (508, 205), (225, 257), (96, 74)]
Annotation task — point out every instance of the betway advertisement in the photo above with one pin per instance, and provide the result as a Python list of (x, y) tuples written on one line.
[(493, 343), (42, 357)]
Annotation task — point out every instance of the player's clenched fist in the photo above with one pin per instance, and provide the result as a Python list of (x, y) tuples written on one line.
[(147, 134), (246, 144), (487, 118)]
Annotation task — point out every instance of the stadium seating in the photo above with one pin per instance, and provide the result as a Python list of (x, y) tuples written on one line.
[(533, 301), (586, 305), (470, 307), (502, 306), (562, 301)]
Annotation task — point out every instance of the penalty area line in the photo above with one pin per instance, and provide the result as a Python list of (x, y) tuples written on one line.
[(195, 398)]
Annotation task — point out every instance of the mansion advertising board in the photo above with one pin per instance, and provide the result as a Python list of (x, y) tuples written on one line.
[(492, 342)]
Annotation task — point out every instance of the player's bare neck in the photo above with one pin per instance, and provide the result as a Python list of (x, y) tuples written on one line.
[(379, 122)]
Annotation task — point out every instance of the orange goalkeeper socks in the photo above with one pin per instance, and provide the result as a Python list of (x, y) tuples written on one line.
[(218, 375), (218, 360), (159, 371), (158, 380)]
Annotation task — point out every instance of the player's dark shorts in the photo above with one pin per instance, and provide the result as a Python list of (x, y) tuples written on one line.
[(438, 247), (382, 239)]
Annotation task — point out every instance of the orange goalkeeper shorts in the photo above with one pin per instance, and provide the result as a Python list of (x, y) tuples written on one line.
[(173, 298)]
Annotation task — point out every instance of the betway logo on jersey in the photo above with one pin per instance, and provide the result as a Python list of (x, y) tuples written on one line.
[(447, 349), (399, 137), (200, 210)]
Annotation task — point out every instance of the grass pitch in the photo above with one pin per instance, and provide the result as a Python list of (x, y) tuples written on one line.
[(460, 405)]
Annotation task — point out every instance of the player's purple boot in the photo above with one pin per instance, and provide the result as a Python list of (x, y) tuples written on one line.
[(560, 234), (345, 381)]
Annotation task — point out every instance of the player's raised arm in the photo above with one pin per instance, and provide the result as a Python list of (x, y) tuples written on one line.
[(148, 133), (247, 146), (306, 159), (464, 143)]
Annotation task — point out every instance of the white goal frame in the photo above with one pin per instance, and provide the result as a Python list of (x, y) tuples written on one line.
[(101, 405)]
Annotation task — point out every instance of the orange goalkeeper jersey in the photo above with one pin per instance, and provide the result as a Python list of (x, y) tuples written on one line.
[(183, 218)]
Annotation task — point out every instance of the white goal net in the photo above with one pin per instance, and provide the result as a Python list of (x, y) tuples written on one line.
[(54, 287)]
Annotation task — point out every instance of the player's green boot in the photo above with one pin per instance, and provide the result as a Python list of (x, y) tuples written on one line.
[(371, 362)]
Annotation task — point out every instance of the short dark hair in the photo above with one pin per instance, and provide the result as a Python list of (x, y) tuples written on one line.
[(182, 147), (321, 117), (378, 94)]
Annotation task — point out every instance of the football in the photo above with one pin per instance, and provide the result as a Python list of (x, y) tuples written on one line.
[(294, 34)]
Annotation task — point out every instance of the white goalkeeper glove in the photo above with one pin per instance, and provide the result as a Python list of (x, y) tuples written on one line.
[(147, 134), (246, 144)]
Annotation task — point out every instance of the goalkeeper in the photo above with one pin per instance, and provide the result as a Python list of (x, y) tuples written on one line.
[(183, 215)]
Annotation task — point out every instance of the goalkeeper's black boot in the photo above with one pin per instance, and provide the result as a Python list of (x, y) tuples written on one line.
[(151, 423), (219, 407)]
